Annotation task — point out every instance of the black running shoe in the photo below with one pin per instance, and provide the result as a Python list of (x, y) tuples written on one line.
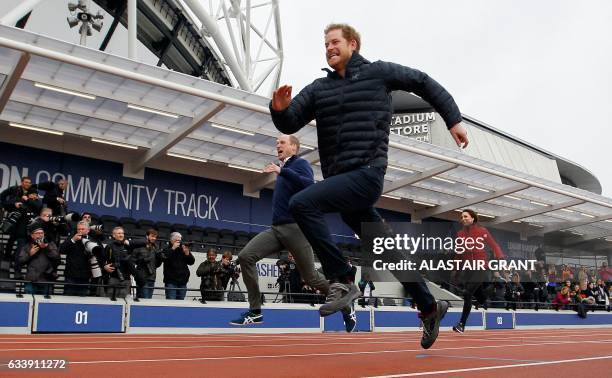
[(350, 319), (340, 295), (459, 328), (431, 323), (248, 318)]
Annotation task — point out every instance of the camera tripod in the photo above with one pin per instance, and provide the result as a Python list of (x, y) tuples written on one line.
[(284, 293)]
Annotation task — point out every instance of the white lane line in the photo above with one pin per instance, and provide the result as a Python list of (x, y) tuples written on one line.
[(321, 354), (492, 367), (363, 335), (406, 337), (454, 338)]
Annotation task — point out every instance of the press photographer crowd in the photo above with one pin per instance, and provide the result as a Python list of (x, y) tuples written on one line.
[(44, 235)]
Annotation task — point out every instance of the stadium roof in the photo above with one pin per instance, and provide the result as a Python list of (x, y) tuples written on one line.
[(56, 86)]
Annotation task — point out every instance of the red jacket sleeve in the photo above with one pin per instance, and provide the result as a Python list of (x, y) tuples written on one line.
[(499, 254)]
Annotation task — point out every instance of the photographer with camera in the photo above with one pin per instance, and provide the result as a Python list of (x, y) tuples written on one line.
[(514, 291), (54, 196), (14, 196), (176, 259), (118, 263), (80, 264), (96, 231), (226, 270), (289, 279), (147, 262), (207, 272), (41, 258), (44, 220), (16, 224)]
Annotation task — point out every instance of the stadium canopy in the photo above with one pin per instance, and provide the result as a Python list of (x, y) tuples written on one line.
[(55, 86)]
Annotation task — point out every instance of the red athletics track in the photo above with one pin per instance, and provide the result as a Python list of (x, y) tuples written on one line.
[(516, 353)]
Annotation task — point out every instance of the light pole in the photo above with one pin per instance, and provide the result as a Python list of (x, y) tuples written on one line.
[(86, 19)]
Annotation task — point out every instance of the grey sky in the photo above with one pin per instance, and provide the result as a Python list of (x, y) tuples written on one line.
[(539, 70)]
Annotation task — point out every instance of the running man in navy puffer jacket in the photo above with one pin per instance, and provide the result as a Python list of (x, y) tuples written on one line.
[(352, 107)]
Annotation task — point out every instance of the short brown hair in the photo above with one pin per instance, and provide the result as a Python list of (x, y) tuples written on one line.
[(296, 141), (348, 32), (151, 231)]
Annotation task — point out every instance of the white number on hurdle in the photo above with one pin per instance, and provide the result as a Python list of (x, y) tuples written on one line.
[(500, 320), (80, 317)]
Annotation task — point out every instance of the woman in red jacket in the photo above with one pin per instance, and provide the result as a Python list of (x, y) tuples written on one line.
[(562, 298), (474, 279)]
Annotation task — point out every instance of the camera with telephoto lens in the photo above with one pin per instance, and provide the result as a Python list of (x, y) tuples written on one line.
[(12, 218), (70, 217), (9, 221), (97, 228), (91, 249)]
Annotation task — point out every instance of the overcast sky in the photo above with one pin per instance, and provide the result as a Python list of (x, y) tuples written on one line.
[(539, 70)]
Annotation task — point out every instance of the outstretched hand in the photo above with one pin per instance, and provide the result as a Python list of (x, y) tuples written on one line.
[(459, 135), (281, 98)]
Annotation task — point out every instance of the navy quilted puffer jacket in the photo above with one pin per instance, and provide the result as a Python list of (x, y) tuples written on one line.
[(353, 113)]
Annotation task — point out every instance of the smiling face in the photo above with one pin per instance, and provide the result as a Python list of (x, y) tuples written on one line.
[(466, 219), (118, 234), (338, 50), (284, 147)]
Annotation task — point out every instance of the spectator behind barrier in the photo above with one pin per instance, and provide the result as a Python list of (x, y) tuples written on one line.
[(562, 298), (118, 263), (78, 268), (566, 274), (499, 289), (367, 291), (514, 292), (601, 294), (147, 261), (176, 259), (41, 259), (605, 273), (206, 271)]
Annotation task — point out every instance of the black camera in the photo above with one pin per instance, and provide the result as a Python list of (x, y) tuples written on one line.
[(12, 218), (39, 242), (118, 271), (10, 221)]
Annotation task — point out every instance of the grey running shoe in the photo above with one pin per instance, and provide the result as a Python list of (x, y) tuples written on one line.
[(431, 324), (340, 295)]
